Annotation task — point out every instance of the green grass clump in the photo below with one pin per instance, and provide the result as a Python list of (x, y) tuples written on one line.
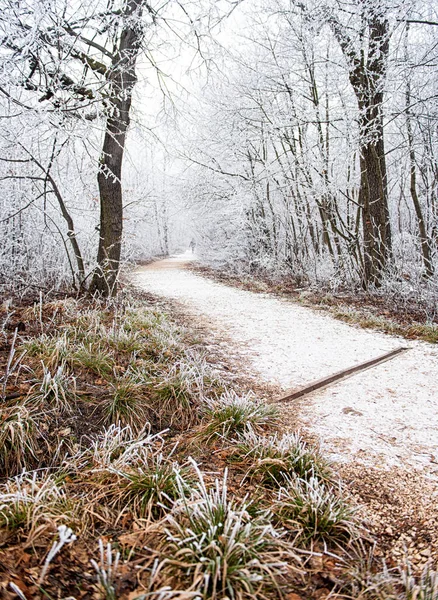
[(126, 403), (144, 320), (122, 340), (427, 332), (424, 587), (272, 459), (231, 414), (118, 448), (362, 582), (313, 510), (34, 504), (93, 357), (213, 546), (150, 488), (52, 351), (366, 319), (180, 390)]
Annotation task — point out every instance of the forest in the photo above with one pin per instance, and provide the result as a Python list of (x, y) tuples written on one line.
[(204, 204), (290, 139)]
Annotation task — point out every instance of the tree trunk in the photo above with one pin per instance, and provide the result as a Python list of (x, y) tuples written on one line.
[(122, 78), (373, 197), (373, 194), (367, 76)]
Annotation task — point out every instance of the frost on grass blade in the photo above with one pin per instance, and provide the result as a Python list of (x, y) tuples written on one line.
[(314, 510), (214, 545), (274, 457), (231, 414)]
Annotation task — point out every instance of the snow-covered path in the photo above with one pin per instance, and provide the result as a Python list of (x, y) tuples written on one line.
[(387, 415)]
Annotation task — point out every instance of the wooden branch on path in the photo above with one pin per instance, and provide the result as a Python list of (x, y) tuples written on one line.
[(321, 383)]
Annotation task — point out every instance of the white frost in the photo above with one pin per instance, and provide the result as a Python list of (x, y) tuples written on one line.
[(387, 414)]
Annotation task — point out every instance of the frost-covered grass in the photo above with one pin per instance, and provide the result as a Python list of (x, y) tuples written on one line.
[(55, 390), (52, 351), (106, 571), (273, 458), (366, 319), (148, 488), (366, 583), (33, 504), (181, 390), (231, 414), (125, 403), (104, 411), (93, 357), (213, 545), (314, 510), (422, 587), (18, 438), (117, 447)]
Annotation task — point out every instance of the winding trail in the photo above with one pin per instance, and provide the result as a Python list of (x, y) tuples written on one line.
[(386, 416)]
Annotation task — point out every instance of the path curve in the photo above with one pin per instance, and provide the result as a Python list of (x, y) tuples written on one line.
[(385, 416)]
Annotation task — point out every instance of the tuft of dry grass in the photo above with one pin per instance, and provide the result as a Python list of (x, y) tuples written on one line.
[(18, 438)]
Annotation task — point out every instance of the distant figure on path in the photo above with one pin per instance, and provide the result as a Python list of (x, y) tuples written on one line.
[(192, 246)]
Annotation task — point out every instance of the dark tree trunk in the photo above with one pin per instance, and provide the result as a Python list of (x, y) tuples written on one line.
[(367, 76), (373, 195), (121, 77), (367, 82)]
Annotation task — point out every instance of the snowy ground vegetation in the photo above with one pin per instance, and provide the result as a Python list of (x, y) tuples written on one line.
[(109, 490)]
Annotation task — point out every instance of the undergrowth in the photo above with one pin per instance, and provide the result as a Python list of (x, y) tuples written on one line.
[(100, 497)]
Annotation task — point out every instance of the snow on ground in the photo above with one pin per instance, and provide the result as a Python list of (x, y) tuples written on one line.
[(387, 415)]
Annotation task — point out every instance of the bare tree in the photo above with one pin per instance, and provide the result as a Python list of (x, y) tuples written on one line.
[(121, 79), (80, 63)]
